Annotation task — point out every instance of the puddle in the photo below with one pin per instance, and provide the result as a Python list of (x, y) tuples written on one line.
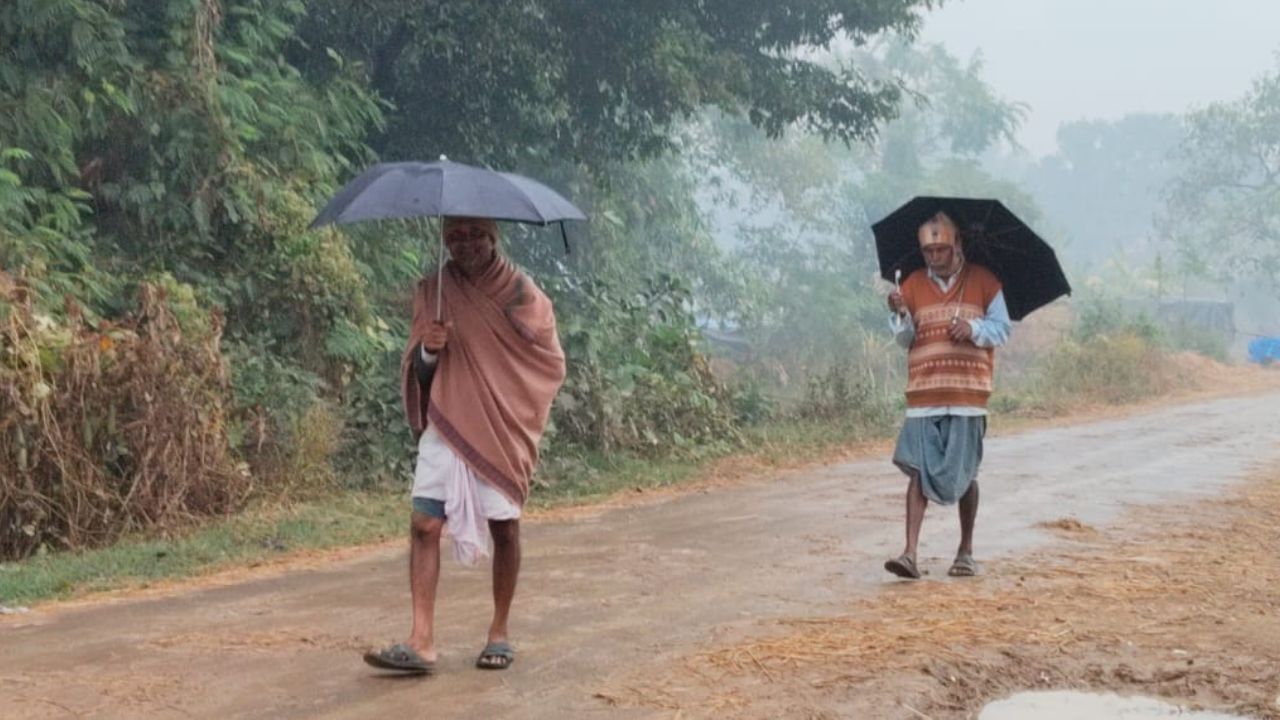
[(1087, 706)]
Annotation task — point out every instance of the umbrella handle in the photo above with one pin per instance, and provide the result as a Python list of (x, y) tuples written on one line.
[(440, 265), (440, 276)]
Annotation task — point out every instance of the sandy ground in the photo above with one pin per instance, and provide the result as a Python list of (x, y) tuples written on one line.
[(1134, 553), (1180, 603)]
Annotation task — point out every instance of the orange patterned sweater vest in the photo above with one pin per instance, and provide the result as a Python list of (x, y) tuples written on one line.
[(940, 371)]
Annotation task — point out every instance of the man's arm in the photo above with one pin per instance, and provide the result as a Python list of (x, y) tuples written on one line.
[(424, 367), (992, 330)]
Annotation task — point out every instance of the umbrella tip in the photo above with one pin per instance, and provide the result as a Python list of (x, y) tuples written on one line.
[(444, 158)]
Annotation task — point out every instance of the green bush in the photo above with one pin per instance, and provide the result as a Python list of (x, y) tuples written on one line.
[(637, 378)]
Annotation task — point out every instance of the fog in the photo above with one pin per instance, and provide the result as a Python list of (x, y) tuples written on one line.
[(1075, 60)]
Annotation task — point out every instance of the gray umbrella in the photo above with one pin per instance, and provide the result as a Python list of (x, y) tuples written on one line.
[(415, 189), (400, 190)]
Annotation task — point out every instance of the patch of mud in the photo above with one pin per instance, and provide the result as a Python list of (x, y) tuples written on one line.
[(1085, 706), (1070, 527)]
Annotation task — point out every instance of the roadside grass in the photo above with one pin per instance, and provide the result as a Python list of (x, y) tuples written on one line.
[(251, 537)]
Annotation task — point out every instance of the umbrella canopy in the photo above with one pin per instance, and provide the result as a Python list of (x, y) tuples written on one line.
[(991, 236), (389, 191), (399, 190)]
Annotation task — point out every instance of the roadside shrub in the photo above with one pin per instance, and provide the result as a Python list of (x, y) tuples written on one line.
[(1197, 339), (376, 446), (840, 392), (1109, 369), (637, 378), (110, 428)]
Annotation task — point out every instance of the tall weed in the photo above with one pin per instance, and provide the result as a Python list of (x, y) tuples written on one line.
[(109, 428)]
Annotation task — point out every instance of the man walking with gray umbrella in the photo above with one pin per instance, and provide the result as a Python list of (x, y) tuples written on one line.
[(481, 369), (477, 388)]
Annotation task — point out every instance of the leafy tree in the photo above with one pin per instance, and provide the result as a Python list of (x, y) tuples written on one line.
[(1223, 207), (802, 240), (184, 145), (591, 80), (1103, 185), (169, 138)]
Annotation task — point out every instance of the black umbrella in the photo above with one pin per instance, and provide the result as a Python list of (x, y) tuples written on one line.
[(400, 190), (991, 235)]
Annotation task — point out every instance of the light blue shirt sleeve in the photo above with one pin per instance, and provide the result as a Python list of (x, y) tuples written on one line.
[(992, 330)]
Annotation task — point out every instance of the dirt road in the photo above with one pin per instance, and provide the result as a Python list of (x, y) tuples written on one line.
[(621, 594)]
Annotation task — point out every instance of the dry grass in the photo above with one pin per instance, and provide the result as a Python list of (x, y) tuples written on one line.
[(109, 428), (1181, 610)]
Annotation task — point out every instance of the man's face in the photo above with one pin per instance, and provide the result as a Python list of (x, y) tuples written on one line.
[(939, 257), (471, 242), (938, 246)]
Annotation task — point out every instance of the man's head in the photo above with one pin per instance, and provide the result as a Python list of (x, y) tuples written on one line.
[(940, 245), (472, 242)]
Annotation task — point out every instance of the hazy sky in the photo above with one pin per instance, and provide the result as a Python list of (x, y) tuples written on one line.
[(1072, 59)]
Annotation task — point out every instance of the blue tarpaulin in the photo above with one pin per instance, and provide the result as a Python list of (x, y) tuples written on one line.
[(1264, 350)]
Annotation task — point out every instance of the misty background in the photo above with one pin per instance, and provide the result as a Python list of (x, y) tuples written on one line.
[(1108, 87), (1098, 99)]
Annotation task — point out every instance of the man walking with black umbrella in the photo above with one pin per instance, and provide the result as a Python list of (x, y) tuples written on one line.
[(950, 315)]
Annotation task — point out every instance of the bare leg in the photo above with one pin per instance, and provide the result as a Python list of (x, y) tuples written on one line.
[(424, 576), (968, 515), (506, 569), (916, 504)]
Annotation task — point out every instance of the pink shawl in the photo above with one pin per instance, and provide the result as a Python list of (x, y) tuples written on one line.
[(496, 377)]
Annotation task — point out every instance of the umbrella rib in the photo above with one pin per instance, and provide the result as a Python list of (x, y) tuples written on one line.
[(991, 207), (524, 196)]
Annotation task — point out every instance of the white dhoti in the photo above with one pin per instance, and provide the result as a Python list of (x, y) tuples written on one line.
[(469, 502)]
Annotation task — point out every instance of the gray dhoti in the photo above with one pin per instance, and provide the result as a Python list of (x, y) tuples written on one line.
[(945, 450)]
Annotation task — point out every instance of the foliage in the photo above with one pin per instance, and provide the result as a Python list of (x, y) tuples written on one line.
[(1109, 369), (837, 393), (1223, 207), (170, 139), (806, 297), (185, 144), (1100, 315), (1111, 353), (637, 380), (612, 77)]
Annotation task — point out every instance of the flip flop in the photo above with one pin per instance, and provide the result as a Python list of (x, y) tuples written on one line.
[(500, 651), (903, 566), (400, 657), (964, 566)]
